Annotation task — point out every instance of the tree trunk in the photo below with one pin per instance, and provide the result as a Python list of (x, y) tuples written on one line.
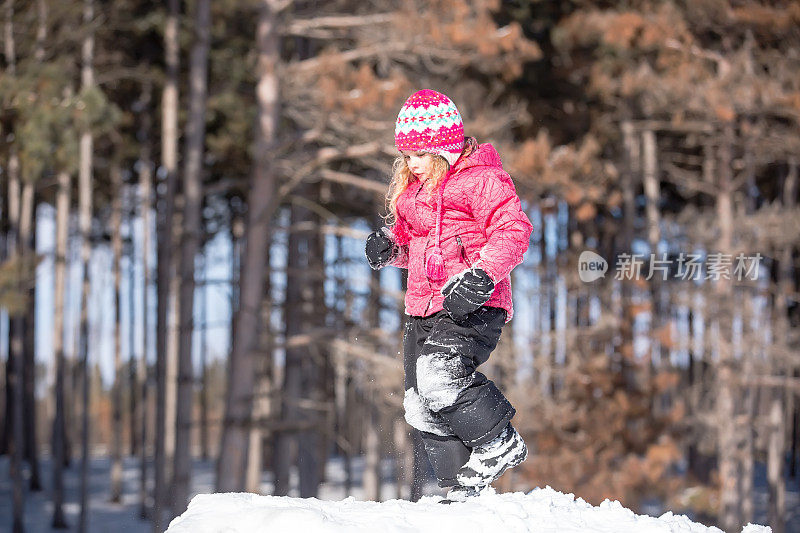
[(310, 456), (85, 221), (169, 155), (28, 251), (729, 511), (651, 188), (372, 454), (29, 368), (232, 467), (652, 195), (792, 280), (134, 383), (256, 438), (22, 326), (699, 463), (14, 432), (341, 385), (138, 382), (341, 391), (192, 204), (17, 440), (551, 277), (352, 424), (8, 400), (59, 429), (73, 388), (173, 340), (295, 318), (116, 245), (27, 242), (745, 307), (776, 440), (261, 409), (143, 380), (543, 362), (749, 400), (85, 217), (402, 462), (624, 351), (204, 453), (775, 458), (262, 401), (327, 425)]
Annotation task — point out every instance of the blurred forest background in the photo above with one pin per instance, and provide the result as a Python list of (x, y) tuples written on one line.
[(186, 187)]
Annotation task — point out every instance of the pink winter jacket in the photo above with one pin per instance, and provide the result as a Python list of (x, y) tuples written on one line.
[(483, 225)]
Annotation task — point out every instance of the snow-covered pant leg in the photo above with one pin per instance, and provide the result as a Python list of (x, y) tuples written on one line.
[(472, 405), (455, 407), (417, 413), (446, 453)]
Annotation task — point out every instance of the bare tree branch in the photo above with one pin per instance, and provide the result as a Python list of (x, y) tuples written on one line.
[(301, 26)]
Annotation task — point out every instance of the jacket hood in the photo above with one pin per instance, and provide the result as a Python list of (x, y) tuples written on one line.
[(484, 156)]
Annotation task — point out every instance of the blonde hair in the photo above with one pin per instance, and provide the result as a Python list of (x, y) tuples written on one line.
[(402, 178)]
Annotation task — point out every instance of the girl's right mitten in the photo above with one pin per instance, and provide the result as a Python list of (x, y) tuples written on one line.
[(380, 248)]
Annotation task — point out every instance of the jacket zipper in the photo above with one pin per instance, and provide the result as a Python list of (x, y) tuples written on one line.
[(424, 260), (463, 251)]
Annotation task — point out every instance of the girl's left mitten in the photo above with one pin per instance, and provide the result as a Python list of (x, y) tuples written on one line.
[(466, 291), (380, 248)]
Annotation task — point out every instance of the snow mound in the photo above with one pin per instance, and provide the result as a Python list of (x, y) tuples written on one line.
[(541, 510)]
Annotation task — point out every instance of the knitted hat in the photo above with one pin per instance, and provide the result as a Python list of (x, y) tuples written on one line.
[(430, 122)]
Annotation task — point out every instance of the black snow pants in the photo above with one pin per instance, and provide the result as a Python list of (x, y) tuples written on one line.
[(454, 407)]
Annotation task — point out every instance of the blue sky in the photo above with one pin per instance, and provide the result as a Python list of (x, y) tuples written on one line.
[(101, 309)]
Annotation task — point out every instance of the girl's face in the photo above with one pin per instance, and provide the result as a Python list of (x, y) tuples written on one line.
[(420, 164)]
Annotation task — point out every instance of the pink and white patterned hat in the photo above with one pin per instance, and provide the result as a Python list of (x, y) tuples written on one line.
[(429, 121)]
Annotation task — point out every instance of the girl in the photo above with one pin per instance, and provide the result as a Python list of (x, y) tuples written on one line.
[(456, 224)]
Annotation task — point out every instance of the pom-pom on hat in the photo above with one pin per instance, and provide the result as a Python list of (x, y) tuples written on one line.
[(429, 121)]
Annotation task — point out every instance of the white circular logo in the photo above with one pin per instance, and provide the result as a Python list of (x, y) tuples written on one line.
[(591, 266)]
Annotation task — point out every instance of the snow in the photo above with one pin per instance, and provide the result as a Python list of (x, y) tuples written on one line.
[(419, 416), (440, 376), (540, 510), (753, 528)]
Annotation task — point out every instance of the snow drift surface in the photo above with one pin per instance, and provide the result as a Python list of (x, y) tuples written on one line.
[(541, 510)]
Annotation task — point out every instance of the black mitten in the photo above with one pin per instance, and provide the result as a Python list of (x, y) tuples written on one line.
[(380, 249), (467, 291)]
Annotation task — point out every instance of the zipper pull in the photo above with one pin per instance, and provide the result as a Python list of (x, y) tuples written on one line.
[(463, 251)]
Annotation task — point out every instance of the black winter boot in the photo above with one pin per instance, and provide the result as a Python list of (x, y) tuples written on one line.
[(487, 462)]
